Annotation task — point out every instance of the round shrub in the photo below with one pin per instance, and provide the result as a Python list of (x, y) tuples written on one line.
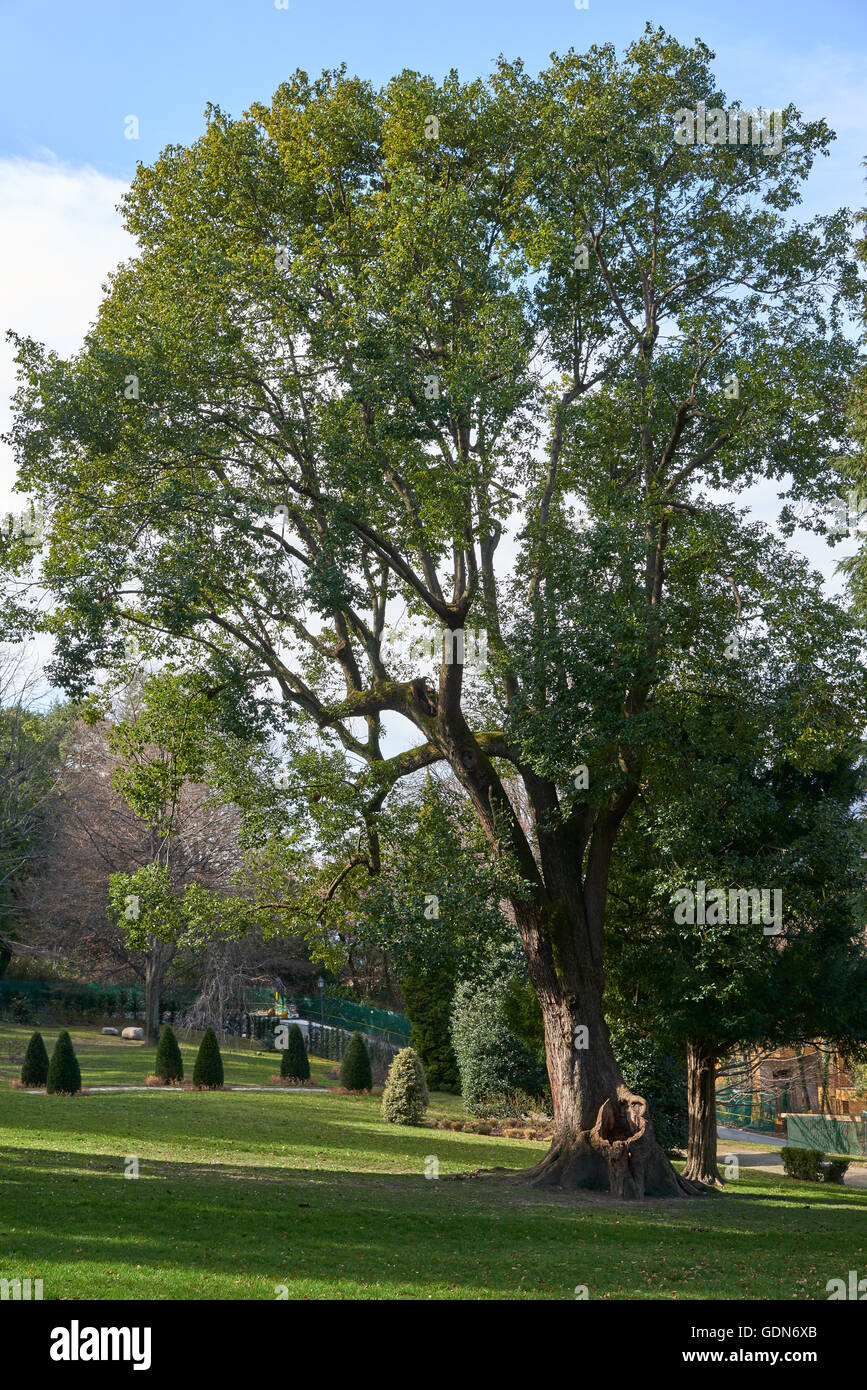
[(355, 1073), (294, 1063), (64, 1073), (169, 1064), (208, 1071), (34, 1072), (405, 1097)]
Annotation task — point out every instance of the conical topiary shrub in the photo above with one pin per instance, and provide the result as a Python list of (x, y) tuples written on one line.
[(208, 1071), (355, 1074), (169, 1065), (34, 1072), (294, 1061), (64, 1073), (405, 1097)]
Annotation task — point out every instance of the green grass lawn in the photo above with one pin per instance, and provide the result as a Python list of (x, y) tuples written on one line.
[(241, 1192)]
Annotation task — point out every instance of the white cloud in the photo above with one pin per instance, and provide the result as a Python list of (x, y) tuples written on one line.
[(60, 234)]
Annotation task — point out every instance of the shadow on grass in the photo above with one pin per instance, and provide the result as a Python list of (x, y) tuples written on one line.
[(220, 1230)]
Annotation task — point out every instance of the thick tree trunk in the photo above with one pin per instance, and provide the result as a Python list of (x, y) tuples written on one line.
[(603, 1133), (701, 1161)]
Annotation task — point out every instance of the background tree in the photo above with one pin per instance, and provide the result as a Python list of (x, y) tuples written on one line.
[(434, 907), (414, 320), (717, 986), (31, 741), (91, 833)]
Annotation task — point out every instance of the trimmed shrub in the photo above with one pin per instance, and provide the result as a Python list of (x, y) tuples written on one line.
[(405, 1097), (802, 1164), (294, 1062), (34, 1072), (355, 1073), (833, 1169), (208, 1071), (169, 1064), (64, 1073)]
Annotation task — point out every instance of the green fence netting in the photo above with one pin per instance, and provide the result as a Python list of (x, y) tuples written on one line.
[(23, 999), (341, 1013), (740, 1110), (833, 1134)]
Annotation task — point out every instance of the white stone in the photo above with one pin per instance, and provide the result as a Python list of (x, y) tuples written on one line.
[(111, 1032), (135, 1034)]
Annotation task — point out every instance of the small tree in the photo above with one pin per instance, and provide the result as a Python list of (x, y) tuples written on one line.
[(355, 1073), (294, 1061), (64, 1073), (169, 1063), (208, 1071), (34, 1072), (405, 1097)]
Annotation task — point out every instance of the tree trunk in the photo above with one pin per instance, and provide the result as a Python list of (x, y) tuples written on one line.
[(154, 974), (603, 1133), (701, 1161)]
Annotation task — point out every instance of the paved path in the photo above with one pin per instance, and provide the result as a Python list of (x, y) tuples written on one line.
[(731, 1140), (749, 1136)]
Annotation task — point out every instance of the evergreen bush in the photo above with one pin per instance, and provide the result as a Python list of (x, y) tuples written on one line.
[(355, 1073), (405, 1097), (34, 1072), (493, 1062), (802, 1164), (208, 1071), (169, 1064), (833, 1169), (64, 1073), (294, 1062)]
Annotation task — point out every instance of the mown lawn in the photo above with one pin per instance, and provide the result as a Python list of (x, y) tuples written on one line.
[(107, 1061), (239, 1193)]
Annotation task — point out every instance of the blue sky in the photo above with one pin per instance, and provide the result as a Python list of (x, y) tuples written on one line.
[(71, 72)]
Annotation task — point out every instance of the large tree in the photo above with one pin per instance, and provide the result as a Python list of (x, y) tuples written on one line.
[(369, 334)]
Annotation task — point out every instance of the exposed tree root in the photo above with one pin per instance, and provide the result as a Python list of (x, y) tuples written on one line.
[(620, 1155)]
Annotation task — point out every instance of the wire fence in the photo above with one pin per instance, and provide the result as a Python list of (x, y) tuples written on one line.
[(740, 1109), (249, 1029), (342, 1013)]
